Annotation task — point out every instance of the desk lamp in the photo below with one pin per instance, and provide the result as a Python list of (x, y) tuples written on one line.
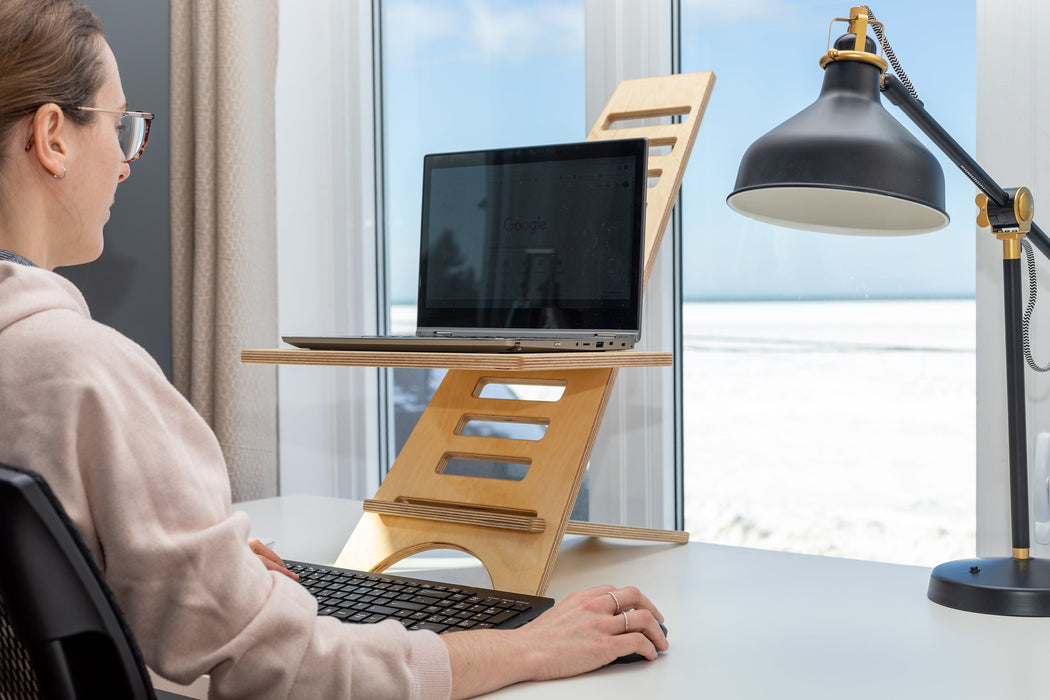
[(845, 165)]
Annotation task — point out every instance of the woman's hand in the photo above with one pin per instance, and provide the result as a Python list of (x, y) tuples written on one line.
[(585, 631), (270, 560), (592, 628)]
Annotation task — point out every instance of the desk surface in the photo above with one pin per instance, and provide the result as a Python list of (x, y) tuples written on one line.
[(746, 623)]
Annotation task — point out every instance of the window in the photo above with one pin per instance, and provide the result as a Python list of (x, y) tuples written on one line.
[(452, 76), (464, 76), (829, 380), (470, 75)]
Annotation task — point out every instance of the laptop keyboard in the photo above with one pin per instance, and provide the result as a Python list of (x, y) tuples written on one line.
[(362, 597)]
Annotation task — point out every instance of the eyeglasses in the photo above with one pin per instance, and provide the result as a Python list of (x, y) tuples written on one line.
[(132, 133)]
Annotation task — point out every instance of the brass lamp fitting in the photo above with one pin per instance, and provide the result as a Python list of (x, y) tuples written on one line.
[(1009, 222), (858, 26)]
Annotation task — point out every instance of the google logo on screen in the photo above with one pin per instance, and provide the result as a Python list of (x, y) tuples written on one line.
[(514, 224)]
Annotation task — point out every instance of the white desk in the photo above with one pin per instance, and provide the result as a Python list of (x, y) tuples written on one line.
[(747, 623)]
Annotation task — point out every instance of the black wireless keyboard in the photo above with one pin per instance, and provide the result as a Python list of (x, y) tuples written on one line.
[(363, 597)]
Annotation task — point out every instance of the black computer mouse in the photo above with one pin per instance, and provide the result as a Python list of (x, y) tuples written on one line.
[(631, 658)]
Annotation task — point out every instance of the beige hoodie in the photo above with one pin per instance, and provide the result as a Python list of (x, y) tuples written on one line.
[(143, 477)]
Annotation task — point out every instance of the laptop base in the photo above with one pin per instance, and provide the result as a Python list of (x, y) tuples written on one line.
[(414, 343)]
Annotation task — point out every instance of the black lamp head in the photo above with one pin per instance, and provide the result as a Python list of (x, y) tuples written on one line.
[(843, 164)]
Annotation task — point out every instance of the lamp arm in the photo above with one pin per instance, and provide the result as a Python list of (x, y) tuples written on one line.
[(916, 111)]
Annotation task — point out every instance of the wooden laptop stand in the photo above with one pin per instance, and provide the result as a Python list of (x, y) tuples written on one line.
[(515, 527)]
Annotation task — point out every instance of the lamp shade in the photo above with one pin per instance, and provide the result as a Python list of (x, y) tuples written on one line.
[(843, 165)]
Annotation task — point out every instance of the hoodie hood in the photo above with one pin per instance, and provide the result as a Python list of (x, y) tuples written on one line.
[(25, 291)]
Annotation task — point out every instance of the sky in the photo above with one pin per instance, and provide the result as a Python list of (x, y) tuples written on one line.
[(471, 74)]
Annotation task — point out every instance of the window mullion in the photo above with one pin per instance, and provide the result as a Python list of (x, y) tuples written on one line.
[(632, 479)]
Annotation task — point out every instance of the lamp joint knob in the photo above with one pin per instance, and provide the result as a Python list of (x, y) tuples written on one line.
[(1010, 220)]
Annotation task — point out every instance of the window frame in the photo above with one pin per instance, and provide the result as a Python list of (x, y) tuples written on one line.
[(637, 477)]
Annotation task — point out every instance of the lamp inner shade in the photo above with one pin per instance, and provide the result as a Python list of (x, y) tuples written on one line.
[(837, 210)]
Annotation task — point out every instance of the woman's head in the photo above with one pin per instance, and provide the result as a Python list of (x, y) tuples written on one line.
[(63, 131), (50, 52)]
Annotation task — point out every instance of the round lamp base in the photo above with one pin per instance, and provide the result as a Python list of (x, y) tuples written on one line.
[(995, 586)]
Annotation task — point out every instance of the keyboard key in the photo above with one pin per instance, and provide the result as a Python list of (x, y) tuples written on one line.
[(501, 617), (423, 599), (438, 593), (381, 610)]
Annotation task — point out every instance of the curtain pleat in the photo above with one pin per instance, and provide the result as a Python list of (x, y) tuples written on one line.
[(224, 231)]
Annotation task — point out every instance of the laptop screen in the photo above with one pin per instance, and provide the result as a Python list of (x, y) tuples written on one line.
[(543, 237)]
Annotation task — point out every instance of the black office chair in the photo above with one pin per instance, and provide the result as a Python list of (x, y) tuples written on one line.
[(62, 633)]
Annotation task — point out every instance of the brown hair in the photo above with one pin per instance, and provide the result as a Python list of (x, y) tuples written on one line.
[(49, 52)]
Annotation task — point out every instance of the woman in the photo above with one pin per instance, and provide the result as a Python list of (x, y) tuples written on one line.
[(139, 471)]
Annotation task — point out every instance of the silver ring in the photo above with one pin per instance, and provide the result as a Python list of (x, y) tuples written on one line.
[(626, 624), (617, 600)]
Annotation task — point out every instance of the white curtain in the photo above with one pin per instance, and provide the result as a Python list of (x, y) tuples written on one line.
[(223, 192)]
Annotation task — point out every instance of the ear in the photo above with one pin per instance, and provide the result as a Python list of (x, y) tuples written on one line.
[(47, 141)]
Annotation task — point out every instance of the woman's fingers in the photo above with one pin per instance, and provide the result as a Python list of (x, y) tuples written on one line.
[(270, 559)]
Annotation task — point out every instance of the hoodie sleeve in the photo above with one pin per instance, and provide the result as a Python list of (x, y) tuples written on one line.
[(143, 477)]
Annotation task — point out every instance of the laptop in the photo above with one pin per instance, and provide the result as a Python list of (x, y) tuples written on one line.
[(537, 248)]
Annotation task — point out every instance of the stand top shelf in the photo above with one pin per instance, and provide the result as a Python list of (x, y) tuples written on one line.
[(460, 360)]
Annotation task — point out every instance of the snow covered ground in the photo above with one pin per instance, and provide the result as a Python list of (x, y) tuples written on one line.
[(840, 428)]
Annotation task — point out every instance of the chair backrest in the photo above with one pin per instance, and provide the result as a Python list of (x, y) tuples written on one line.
[(75, 642)]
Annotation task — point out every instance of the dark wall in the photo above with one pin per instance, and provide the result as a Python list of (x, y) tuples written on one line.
[(129, 286)]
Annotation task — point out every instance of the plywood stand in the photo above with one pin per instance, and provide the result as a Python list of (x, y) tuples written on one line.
[(515, 527)]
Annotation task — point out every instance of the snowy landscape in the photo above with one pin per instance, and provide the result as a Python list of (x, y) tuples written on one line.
[(839, 428)]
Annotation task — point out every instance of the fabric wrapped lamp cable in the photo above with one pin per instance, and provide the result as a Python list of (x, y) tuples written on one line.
[(845, 165)]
